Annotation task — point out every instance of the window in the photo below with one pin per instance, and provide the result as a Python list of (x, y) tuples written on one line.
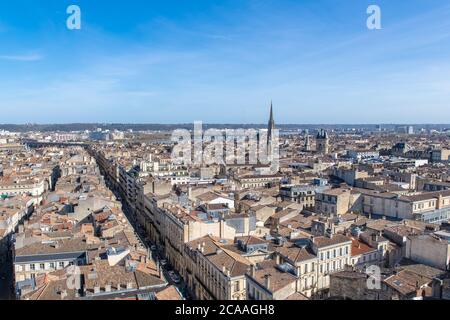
[(236, 286), (61, 264), (346, 250), (321, 256), (321, 268), (42, 266), (32, 267), (340, 252), (328, 254), (52, 265), (306, 268)]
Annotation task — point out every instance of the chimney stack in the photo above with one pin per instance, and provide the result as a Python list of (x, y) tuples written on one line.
[(252, 270), (267, 277)]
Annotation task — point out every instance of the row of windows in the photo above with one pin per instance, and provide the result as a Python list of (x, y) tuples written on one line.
[(307, 269), (308, 283), (422, 205), (45, 266), (334, 253), (365, 258), (211, 277), (331, 266), (326, 208)]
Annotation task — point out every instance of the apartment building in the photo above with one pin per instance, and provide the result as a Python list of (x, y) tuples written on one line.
[(337, 202), (349, 175), (304, 195), (257, 181), (213, 272), (431, 249), (271, 281), (333, 253), (441, 155), (48, 256), (430, 207), (17, 187)]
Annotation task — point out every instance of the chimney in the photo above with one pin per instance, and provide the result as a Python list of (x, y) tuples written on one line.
[(108, 287), (252, 270), (440, 202), (267, 277), (277, 259)]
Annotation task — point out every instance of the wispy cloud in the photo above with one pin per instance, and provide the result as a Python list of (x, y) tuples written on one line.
[(22, 57)]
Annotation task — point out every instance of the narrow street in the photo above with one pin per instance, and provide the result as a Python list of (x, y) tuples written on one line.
[(6, 276), (157, 255)]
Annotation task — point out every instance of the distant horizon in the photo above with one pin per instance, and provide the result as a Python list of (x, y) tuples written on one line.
[(216, 123)]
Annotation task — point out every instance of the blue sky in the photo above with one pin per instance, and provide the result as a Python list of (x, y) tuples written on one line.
[(176, 61)]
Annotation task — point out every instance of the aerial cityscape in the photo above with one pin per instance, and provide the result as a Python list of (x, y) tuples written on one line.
[(196, 165)]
